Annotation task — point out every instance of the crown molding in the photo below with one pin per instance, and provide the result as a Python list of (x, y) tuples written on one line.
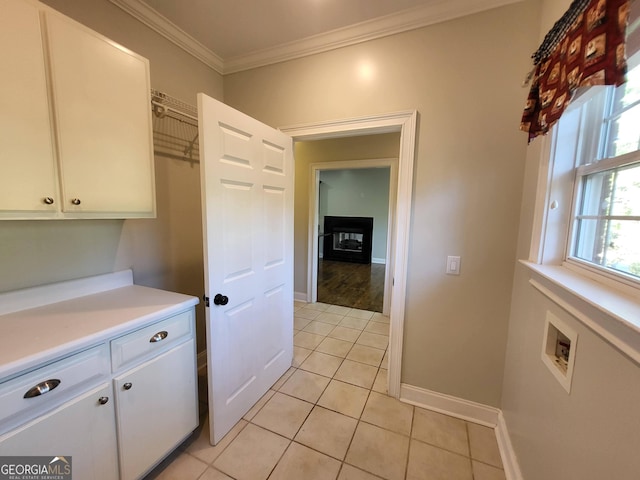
[(362, 32), (162, 25), (399, 22)]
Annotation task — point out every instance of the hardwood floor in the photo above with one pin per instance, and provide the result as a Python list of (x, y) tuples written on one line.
[(351, 284)]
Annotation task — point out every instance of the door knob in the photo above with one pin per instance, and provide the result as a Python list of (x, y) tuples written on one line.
[(127, 386), (220, 299)]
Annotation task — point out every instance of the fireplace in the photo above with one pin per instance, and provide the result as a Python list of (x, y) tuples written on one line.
[(348, 239)]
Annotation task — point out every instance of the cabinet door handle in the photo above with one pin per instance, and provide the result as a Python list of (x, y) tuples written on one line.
[(103, 400), (158, 337), (76, 201), (47, 200), (42, 388), (127, 386)]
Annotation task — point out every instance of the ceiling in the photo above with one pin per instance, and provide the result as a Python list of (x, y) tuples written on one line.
[(235, 35)]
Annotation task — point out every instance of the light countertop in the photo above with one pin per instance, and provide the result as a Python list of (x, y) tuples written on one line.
[(34, 336)]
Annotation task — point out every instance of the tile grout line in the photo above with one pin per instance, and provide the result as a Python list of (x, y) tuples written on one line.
[(353, 344), (279, 459), (413, 420), (315, 404), (359, 419), (332, 378), (466, 428)]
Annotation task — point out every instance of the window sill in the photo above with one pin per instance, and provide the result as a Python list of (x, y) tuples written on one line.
[(610, 313)]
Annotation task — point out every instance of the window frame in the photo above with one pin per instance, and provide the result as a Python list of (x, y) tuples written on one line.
[(604, 302), (596, 116), (558, 190), (597, 113)]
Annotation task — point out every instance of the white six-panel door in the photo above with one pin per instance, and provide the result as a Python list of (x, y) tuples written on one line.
[(247, 198)]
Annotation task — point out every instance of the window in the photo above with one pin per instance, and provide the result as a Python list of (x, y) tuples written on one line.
[(605, 226), (585, 244)]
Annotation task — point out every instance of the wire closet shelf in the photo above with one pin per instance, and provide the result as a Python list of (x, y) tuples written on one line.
[(175, 128)]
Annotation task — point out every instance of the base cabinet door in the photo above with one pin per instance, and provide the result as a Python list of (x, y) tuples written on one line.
[(157, 408), (82, 430)]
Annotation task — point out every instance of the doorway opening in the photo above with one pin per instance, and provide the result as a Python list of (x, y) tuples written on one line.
[(406, 124), (353, 189)]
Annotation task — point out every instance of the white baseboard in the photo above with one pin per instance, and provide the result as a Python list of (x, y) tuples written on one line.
[(381, 261), (300, 296), (471, 412), (509, 459), (449, 405)]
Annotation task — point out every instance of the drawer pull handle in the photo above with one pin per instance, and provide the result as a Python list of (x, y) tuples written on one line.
[(103, 400), (127, 386), (158, 337), (42, 388)]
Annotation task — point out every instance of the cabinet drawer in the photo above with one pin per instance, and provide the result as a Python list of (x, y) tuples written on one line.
[(145, 342), (33, 393)]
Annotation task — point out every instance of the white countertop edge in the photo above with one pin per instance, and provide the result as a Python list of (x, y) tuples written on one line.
[(612, 314), (8, 370), (41, 295)]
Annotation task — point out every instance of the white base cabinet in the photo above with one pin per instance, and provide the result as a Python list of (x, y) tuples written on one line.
[(82, 429), (156, 407), (117, 408)]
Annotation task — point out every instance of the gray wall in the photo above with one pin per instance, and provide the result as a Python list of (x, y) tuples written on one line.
[(464, 77), (592, 433), (165, 252), (362, 192)]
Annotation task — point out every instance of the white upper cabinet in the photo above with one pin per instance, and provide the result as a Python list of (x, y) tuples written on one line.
[(27, 162), (101, 96), (93, 107)]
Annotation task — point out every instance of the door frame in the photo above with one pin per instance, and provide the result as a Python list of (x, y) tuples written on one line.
[(314, 214), (406, 123)]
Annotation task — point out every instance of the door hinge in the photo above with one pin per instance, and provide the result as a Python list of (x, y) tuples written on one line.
[(206, 300)]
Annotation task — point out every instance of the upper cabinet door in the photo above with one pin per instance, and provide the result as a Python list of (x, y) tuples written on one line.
[(27, 164), (101, 95)]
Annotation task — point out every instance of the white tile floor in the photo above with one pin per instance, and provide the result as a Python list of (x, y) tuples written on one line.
[(329, 418)]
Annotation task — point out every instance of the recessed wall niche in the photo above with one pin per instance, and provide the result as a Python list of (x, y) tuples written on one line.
[(559, 344)]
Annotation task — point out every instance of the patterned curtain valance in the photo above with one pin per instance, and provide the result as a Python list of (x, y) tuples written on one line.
[(585, 47)]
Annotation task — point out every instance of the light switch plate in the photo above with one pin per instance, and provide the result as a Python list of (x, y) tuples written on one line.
[(453, 265)]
